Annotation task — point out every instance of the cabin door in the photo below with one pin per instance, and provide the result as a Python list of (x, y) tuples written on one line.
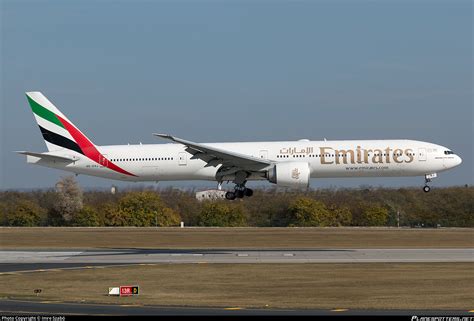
[(421, 154), (182, 159), (103, 161)]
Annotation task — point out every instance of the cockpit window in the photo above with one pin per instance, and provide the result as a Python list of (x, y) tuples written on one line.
[(448, 152)]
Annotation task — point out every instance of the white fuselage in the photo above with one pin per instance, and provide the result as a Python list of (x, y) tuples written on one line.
[(345, 158)]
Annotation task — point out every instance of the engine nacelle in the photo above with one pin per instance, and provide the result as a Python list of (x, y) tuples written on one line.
[(290, 174)]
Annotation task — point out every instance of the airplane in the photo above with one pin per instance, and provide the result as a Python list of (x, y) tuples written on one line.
[(288, 164)]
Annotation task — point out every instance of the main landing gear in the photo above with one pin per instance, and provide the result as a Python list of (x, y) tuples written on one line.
[(428, 178), (239, 192)]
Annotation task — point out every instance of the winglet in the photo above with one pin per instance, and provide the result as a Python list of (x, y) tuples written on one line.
[(177, 140), (166, 136)]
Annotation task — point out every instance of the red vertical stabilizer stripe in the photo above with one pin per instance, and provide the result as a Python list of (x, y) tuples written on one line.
[(88, 148)]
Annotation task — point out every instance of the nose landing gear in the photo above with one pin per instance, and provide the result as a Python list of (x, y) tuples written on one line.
[(428, 179)]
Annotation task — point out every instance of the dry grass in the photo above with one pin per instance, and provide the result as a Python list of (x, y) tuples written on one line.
[(17, 238), (360, 285), (363, 286)]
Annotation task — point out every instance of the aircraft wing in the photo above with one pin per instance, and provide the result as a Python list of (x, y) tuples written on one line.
[(213, 156), (50, 157)]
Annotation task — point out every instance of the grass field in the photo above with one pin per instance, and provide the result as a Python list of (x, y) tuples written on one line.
[(326, 286), (18, 238), (362, 286)]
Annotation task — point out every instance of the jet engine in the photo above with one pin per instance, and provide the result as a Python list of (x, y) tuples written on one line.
[(290, 174)]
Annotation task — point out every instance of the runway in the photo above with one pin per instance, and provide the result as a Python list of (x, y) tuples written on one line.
[(34, 261), (232, 256), (18, 307)]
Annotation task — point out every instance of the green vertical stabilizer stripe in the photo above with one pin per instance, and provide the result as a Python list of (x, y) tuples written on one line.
[(43, 112)]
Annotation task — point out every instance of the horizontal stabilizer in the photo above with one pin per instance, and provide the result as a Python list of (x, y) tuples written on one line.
[(50, 157)]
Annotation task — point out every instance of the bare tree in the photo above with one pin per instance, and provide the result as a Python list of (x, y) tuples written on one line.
[(69, 200)]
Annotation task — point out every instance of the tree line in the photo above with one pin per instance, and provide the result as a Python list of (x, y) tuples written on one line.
[(68, 205)]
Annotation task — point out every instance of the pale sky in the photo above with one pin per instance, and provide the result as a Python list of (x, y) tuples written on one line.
[(238, 71)]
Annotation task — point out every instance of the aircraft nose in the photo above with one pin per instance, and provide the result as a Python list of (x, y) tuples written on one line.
[(457, 160)]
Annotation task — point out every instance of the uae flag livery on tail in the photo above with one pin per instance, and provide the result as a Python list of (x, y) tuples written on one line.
[(60, 133)]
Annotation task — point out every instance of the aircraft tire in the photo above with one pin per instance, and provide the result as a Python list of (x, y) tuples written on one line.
[(230, 196), (239, 194), (248, 192)]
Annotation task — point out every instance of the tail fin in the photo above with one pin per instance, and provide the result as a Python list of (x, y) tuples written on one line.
[(58, 132)]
